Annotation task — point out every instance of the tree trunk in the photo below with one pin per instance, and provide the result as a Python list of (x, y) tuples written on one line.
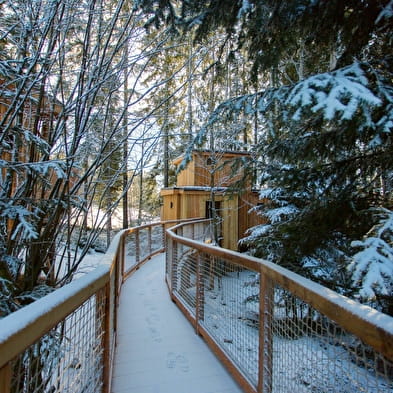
[(189, 92), (140, 204), (125, 142)]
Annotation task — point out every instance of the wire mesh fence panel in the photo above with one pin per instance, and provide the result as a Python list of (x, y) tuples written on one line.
[(311, 353), (278, 342), (68, 359), (199, 231), (184, 276), (144, 243), (169, 261), (230, 312), (203, 232), (130, 251), (157, 237), (187, 231)]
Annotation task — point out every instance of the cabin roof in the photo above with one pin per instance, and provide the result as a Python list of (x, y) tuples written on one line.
[(195, 188), (202, 189), (206, 152)]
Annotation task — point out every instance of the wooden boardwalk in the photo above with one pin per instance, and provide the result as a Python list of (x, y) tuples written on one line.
[(157, 348)]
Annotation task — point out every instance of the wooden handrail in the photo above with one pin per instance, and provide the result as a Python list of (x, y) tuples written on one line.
[(27, 325), (24, 327), (371, 326)]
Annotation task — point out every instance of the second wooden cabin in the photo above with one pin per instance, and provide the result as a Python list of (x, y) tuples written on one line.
[(202, 187)]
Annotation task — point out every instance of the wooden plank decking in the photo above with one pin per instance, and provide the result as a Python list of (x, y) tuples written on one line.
[(157, 349)]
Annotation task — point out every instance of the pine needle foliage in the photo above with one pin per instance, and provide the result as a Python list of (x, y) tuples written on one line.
[(322, 154)]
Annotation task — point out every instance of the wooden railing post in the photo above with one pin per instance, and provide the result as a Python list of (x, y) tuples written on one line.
[(106, 326), (5, 378), (265, 381)]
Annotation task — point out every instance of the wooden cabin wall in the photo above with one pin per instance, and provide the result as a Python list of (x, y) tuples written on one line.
[(202, 174), (247, 218), (22, 150), (170, 207), (198, 171), (187, 176), (192, 205), (179, 204), (189, 198), (223, 177)]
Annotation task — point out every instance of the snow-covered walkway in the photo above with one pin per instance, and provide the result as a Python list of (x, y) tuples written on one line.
[(157, 349)]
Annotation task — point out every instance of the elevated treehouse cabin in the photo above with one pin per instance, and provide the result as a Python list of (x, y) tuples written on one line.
[(23, 110), (202, 190), (27, 123), (27, 118)]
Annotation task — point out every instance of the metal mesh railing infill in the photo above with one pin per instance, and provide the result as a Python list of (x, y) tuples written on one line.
[(64, 342), (67, 359), (276, 331), (142, 243)]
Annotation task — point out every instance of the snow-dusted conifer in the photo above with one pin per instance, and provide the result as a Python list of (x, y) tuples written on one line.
[(372, 264), (324, 143)]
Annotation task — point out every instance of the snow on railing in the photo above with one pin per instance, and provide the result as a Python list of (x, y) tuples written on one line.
[(64, 342), (312, 339), (302, 337)]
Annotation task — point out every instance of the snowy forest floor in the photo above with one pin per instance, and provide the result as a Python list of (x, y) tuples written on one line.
[(157, 348)]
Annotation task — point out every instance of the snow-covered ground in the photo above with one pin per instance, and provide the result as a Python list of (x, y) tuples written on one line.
[(307, 356), (303, 359), (97, 218), (93, 258)]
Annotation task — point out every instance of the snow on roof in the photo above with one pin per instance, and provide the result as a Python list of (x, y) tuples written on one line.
[(178, 159)]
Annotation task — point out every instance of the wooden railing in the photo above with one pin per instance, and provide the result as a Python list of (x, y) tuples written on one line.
[(65, 341), (275, 330)]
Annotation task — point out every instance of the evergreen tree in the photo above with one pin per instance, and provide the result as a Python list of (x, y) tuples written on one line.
[(61, 123), (171, 67), (324, 143)]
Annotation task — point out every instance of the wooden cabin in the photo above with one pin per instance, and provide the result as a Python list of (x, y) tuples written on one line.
[(37, 113), (203, 185)]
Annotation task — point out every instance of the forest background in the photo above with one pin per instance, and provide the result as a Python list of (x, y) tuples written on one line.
[(98, 97)]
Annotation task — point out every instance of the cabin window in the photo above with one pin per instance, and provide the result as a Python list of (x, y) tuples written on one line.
[(209, 161), (171, 205)]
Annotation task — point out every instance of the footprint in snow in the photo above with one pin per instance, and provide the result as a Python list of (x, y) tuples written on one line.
[(177, 361), (182, 363), (171, 360), (154, 334), (152, 318)]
